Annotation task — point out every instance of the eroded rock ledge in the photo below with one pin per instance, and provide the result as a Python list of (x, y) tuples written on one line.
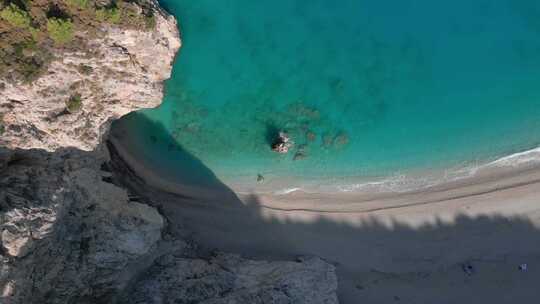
[(69, 233)]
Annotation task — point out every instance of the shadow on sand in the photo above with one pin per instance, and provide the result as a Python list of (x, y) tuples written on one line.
[(167, 158), (379, 259)]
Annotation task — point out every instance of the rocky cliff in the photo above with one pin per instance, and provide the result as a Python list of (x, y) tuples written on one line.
[(117, 72), (69, 233)]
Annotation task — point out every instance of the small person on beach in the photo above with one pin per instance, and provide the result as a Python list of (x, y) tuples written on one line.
[(468, 269), (282, 143)]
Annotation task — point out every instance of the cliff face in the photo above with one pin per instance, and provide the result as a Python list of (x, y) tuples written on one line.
[(69, 233), (120, 71), (227, 278)]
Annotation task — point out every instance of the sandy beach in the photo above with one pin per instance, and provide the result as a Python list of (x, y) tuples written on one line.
[(412, 247)]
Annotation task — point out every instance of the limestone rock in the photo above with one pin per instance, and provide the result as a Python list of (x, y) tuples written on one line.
[(66, 233), (228, 279), (69, 235), (121, 72)]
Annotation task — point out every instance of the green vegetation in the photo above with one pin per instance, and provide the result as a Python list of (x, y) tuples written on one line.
[(61, 31), (80, 4), (32, 30), (24, 59), (30, 69), (74, 103), (16, 16), (150, 21), (20, 56), (111, 15), (35, 33), (127, 14)]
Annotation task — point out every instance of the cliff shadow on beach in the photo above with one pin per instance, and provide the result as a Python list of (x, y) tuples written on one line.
[(465, 257), (156, 151)]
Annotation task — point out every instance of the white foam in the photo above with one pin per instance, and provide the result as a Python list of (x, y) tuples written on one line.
[(404, 183), (287, 191), (397, 183), (518, 159)]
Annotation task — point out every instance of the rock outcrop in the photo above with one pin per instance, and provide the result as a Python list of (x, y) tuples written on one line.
[(227, 278), (70, 233), (66, 232), (119, 72)]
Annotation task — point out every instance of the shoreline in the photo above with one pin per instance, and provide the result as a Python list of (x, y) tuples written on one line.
[(413, 243), (169, 163), (400, 182), (504, 170), (489, 181)]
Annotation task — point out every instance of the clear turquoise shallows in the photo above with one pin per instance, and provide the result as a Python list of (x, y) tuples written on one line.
[(366, 89)]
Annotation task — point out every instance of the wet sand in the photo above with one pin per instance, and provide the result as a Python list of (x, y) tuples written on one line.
[(388, 247)]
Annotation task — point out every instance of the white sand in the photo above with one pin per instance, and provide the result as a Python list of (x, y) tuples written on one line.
[(389, 247)]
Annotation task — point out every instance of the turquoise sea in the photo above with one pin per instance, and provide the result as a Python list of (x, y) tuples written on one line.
[(367, 89)]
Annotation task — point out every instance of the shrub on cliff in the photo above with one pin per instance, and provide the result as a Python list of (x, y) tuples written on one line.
[(74, 103), (60, 30), (81, 4), (23, 60), (127, 14), (16, 16), (150, 20), (28, 26), (111, 15)]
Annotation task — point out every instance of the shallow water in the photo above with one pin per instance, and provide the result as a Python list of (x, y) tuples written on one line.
[(366, 88)]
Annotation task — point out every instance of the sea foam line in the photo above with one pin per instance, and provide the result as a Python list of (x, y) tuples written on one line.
[(404, 183), (517, 159)]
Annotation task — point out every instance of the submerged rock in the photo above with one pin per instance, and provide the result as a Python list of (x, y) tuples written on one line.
[(299, 155), (341, 140), (311, 136), (327, 140), (302, 110), (193, 127)]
